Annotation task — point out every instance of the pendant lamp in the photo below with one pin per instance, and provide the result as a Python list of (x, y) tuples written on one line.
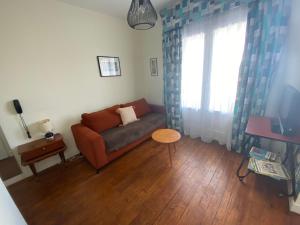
[(141, 15)]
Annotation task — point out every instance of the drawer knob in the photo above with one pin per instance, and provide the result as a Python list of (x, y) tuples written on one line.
[(44, 148)]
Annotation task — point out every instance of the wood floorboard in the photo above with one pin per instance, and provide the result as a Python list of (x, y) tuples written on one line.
[(9, 168), (177, 206), (192, 180), (196, 210), (141, 188)]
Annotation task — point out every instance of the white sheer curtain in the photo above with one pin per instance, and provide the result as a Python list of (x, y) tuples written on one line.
[(212, 53)]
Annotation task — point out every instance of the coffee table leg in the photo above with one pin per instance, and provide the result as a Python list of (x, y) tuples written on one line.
[(175, 150), (171, 163)]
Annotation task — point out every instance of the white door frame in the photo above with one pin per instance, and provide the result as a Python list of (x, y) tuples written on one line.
[(4, 149)]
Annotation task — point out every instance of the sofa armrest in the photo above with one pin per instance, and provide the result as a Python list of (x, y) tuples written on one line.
[(90, 144), (157, 108)]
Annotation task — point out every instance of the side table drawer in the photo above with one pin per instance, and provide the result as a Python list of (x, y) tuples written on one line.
[(42, 151)]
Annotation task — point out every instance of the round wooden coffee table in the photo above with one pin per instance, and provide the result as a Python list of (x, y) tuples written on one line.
[(167, 136)]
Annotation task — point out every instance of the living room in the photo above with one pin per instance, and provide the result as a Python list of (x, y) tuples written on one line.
[(56, 58)]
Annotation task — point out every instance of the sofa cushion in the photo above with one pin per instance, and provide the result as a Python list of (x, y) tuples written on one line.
[(141, 107), (127, 115), (119, 137), (102, 120)]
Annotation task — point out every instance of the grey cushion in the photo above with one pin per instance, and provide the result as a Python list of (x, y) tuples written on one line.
[(119, 137)]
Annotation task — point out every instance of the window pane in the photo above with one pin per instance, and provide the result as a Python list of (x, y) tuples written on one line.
[(228, 46), (192, 71)]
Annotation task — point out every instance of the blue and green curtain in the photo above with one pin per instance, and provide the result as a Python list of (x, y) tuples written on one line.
[(266, 34), (174, 19), (265, 38), (172, 44)]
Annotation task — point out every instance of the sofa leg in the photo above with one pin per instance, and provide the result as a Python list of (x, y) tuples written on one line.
[(97, 171)]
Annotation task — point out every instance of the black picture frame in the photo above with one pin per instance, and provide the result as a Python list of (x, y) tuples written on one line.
[(109, 66), (153, 67)]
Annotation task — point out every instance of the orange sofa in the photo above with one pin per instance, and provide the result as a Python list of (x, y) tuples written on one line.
[(100, 137)]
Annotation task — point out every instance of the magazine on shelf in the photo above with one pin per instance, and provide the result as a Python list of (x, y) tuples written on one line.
[(272, 169), (260, 154)]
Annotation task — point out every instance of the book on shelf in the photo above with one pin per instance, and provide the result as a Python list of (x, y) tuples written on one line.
[(275, 170), (260, 154)]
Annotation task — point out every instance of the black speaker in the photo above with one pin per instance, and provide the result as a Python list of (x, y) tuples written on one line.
[(17, 106), (19, 110)]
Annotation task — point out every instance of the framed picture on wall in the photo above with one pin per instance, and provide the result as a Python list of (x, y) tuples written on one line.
[(109, 66), (153, 67)]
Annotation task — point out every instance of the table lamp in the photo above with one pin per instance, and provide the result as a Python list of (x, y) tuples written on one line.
[(47, 128)]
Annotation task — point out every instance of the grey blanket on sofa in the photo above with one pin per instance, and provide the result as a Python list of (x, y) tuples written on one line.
[(119, 137)]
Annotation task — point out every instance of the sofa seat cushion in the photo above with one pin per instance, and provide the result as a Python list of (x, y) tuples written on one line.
[(102, 120), (119, 137)]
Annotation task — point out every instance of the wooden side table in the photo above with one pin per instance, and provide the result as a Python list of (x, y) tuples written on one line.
[(261, 127), (38, 150), (167, 136)]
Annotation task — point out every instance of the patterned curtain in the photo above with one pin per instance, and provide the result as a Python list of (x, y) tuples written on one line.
[(174, 18), (266, 33), (172, 44), (185, 12)]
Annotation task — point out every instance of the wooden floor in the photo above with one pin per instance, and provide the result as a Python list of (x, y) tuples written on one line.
[(141, 188), (9, 168)]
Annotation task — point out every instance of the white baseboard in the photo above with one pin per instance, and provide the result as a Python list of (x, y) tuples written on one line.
[(27, 173), (294, 205), (14, 180)]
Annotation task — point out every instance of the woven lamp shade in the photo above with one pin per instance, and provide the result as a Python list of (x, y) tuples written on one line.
[(141, 15)]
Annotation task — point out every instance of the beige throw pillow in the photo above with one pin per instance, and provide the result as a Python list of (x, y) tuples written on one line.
[(127, 115)]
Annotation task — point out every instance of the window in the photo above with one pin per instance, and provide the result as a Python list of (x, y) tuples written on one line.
[(192, 68), (212, 54)]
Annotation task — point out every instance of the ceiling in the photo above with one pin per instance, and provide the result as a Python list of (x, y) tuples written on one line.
[(117, 8)]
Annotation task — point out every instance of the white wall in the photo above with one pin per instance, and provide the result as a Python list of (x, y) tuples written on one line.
[(48, 61), (9, 213), (293, 65), (293, 57), (3, 153), (150, 46)]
